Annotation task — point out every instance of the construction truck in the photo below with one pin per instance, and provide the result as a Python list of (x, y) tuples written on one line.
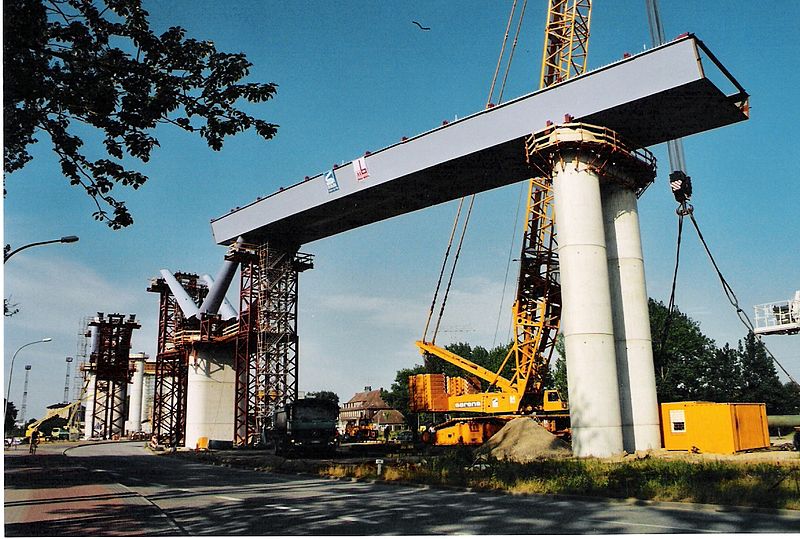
[(302, 426)]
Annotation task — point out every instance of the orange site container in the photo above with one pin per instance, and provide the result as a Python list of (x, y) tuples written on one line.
[(712, 427)]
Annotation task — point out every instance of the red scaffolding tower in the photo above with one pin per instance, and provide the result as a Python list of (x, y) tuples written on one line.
[(172, 360), (111, 367), (266, 357)]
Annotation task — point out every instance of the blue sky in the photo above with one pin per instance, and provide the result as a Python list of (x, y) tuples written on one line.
[(357, 76)]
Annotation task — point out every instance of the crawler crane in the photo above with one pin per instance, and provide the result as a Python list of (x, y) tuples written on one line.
[(536, 311)]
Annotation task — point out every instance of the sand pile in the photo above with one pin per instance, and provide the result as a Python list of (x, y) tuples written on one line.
[(522, 440)]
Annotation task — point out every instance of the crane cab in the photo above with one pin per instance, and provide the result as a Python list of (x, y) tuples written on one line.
[(552, 401)]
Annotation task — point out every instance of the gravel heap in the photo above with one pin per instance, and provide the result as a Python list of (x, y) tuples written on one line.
[(523, 440)]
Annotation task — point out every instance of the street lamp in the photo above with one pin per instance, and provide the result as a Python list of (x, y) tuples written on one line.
[(11, 371), (7, 252)]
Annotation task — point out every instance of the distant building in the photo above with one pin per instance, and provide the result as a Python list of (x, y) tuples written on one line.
[(389, 418), (366, 411)]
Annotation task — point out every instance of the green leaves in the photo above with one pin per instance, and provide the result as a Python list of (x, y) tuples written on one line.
[(66, 72)]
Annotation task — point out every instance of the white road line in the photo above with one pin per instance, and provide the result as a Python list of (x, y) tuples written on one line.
[(282, 508), (229, 498), (660, 526), (350, 518)]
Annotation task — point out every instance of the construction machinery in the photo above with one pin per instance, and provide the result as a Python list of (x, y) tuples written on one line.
[(302, 426), (68, 410), (536, 311)]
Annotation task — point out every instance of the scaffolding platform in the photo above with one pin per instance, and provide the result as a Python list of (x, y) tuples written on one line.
[(658, 95)]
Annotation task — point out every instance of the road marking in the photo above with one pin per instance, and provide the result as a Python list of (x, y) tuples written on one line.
[(282, 508), (660, 526), (350, 518), (229, 498)]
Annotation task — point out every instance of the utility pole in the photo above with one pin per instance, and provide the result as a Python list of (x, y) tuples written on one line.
[(66, 381), (24, 395)]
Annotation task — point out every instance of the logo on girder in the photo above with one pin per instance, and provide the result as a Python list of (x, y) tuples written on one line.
[(330, 181), (360, 168)]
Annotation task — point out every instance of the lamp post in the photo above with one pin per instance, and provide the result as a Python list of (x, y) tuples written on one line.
[(8, 253), (11, 371)]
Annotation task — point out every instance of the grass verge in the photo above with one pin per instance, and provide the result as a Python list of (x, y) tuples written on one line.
[(759, 485), (764, 485)]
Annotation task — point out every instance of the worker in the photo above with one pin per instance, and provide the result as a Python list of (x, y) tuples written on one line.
[(34, 441)]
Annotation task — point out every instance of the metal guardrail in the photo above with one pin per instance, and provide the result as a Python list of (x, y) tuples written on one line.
[(611, 152)]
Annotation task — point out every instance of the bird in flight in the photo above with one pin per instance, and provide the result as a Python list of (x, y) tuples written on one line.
[(420, 26)]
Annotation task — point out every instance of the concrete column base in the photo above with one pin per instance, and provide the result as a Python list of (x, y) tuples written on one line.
[(210, 396)]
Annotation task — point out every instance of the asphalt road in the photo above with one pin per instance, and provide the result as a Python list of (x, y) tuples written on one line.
[(123, 489)]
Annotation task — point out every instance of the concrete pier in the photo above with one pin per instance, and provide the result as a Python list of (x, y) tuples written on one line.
[(88, 427), (633, 342), (210, 395), (586, 320), (136, 392)]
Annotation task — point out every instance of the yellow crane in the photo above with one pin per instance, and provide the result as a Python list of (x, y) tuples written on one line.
[(536, 312)]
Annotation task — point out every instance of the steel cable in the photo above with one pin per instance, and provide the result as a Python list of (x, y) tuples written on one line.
[(734, 301), (453, 268), (671, 307), (472, 197), (441, 272)]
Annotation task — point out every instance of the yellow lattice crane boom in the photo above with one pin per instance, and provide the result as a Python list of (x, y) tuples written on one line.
[(537, 307), (566, 40)]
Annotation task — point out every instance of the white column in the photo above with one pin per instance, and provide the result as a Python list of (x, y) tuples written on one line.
[(210, 396), (136, 391), (147, 403), (89, 411), (586, 317), (634, 347)]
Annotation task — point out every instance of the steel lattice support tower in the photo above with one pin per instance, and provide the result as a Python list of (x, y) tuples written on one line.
[(169, 398), (267, 345), (112, 374), (172, 361), (245, 417), (81, 359)]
